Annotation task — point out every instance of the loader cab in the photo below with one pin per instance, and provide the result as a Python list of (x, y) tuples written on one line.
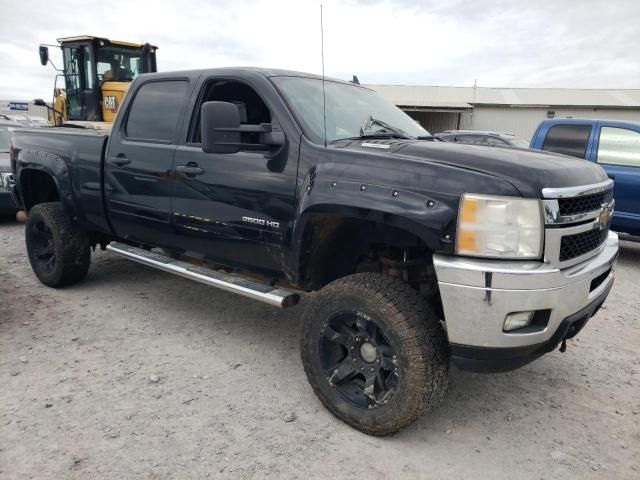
[(96, 73)]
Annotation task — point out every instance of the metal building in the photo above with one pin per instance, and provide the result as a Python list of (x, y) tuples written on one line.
[(510, 110)]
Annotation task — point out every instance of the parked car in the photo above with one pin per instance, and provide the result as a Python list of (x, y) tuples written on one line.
[(22, 120), (613, 145), (26, 121), (478, 137), (36, 121), (7, 205), (396, 233)]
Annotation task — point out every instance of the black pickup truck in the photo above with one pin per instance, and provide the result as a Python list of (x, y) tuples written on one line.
[(418, 252)]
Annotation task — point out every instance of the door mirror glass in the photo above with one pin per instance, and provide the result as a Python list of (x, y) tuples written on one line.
[(44, 54), (220, 127)]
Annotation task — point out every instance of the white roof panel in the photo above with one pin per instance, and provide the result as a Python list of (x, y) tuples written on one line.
[(426, 96)]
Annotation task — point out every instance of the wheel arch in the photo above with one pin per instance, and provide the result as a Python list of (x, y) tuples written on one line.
[(45, 181), (330, 239)]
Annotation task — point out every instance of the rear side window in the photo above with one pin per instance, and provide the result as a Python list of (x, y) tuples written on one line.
[(568, 139), (619, 146), (155, 110)]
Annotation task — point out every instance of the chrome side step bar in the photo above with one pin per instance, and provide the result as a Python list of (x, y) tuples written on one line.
[(278, 297)]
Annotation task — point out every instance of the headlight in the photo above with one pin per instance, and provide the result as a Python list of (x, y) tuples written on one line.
[(499, 227)]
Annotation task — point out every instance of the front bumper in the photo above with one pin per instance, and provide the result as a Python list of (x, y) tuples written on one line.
[(477, 295)]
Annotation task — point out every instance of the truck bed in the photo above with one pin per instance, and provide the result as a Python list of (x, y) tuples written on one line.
[(74, 156)]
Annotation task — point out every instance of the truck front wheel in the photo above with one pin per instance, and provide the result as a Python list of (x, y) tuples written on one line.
[(59, 252), (374, 352)]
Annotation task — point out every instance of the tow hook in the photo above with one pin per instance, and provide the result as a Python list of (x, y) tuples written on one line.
[(563, 345)]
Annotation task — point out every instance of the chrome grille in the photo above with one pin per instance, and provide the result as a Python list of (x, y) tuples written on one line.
[(585, 203), (577, 222), (572, 246)]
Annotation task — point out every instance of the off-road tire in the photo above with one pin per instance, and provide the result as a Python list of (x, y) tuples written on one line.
[(412, 328), (68, 244)]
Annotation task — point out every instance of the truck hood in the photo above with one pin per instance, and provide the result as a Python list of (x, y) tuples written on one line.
[(529, 171)]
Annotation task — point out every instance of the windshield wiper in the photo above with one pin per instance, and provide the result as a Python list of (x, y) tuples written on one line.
[(387, 131), (386, 128), (373, 135), (434, 138)]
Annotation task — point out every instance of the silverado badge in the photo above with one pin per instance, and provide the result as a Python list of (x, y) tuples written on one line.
[(605, 216)]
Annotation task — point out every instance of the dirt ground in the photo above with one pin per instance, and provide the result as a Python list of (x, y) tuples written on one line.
[(139, 374)]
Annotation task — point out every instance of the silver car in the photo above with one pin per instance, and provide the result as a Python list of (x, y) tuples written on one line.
[(7, 206)]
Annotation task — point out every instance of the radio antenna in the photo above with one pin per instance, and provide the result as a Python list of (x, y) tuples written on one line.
[(324, 96)]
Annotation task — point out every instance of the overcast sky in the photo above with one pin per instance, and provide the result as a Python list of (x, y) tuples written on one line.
[(586, 43)]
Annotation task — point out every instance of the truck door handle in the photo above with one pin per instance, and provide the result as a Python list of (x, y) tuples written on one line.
[(120, 160), (190, 169)]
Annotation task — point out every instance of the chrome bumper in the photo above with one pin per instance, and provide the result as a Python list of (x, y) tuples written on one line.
[(477, 295)]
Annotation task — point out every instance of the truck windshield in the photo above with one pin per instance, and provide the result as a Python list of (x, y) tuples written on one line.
[(352, 111)]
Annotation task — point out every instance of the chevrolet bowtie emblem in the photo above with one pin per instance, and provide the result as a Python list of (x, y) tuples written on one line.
[(605, 216)]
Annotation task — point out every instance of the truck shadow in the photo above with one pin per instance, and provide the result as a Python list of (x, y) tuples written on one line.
[(8, 220), (482, 403), (630, 253)]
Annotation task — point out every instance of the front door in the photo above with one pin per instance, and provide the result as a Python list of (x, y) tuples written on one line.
[(235, 208), (139, 161), (618, 152)]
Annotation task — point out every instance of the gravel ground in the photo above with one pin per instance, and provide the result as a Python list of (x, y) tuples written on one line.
[(138, 374)]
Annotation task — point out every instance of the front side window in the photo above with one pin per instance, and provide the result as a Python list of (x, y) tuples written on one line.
[(350, 109), (252, 109), (119, 64), (619, 146), (155, 110), (568, 140)]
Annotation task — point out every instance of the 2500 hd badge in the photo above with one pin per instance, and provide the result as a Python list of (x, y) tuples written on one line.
[(261, 222)]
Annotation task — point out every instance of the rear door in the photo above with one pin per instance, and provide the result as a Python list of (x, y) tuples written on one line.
[(617, 150), (139, 160)]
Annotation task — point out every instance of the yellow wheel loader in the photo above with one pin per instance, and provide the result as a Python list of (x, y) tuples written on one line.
[(96, 74)]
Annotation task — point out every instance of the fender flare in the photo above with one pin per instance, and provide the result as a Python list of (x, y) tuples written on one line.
[(429, 217), (55, 168)]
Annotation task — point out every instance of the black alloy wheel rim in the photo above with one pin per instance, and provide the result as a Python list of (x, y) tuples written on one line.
[(44, 252), (358, 360)]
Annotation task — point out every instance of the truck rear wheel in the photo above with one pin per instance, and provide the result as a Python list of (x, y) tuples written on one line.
[(59, 252), (374, 352)]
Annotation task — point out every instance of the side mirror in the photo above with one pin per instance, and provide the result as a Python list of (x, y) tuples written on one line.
[(220, 131), (38, 102), (220, 127), (44, 54)]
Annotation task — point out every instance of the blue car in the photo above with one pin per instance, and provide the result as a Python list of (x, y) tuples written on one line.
[(615, 146)]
